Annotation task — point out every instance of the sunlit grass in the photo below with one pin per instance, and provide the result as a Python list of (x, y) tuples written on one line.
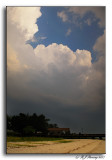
[(64, 141), (23, 139)]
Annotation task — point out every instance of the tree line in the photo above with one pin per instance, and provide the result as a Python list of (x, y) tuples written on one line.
[(28, 125)]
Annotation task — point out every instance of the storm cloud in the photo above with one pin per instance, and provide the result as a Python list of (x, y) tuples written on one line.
[(54, 80)]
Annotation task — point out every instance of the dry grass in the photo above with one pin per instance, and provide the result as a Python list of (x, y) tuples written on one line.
[(58, 146)]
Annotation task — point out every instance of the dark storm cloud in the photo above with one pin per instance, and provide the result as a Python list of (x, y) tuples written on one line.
[(64, 96), (57, 82), (73, 117)]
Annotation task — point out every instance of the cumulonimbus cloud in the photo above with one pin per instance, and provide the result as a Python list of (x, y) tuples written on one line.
[(25, 19), (52, 73)]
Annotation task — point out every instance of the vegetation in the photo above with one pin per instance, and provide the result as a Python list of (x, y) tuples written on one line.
[(23, 139), (65, 141), (28, 125)]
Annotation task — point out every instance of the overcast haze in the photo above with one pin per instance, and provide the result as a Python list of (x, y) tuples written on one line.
[(56, 65)]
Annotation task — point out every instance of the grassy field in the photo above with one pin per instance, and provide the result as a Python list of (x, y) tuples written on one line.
[(64, 141), (23, 139), (54, 145)]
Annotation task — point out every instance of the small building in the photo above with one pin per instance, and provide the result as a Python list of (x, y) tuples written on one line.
[(58, 131)]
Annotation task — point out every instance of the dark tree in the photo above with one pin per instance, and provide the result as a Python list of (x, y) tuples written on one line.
[(9, 125), (26, 124)]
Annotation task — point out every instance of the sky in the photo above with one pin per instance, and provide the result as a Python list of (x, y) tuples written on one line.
[(56, 65)]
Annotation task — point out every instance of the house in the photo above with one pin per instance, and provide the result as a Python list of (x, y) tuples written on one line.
[(58, 131)]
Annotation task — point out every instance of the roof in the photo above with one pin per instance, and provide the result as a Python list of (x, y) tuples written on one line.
[(58, 129)]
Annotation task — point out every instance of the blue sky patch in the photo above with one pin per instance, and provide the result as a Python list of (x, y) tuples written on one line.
[(53, 30)]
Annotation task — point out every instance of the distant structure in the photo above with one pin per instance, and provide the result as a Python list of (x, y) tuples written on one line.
[(58, 131)]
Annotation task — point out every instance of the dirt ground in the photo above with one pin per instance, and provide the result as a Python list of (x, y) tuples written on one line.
[(59, 146)]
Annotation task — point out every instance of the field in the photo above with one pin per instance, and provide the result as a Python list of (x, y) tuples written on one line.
[(54, 145)]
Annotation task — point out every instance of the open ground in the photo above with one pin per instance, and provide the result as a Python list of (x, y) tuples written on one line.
[(57, 146)]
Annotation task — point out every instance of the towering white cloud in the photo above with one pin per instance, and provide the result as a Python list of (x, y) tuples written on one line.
[(59, 55), (13, 63), (52, 73), (25, 19)]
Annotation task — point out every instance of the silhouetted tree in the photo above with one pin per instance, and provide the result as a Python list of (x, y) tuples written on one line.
[(26, 124), (9, 125), (53, 126)]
